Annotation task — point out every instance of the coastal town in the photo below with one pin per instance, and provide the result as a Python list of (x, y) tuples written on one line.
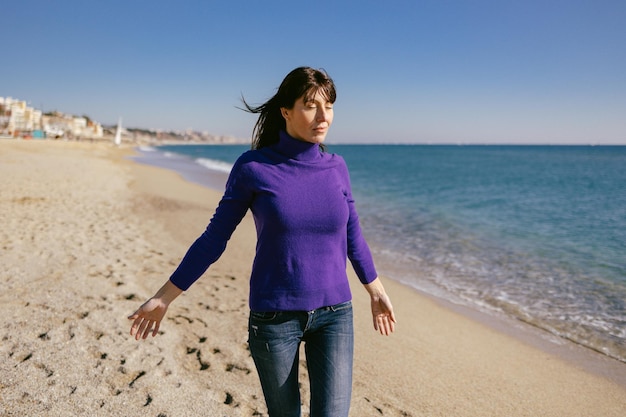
[(21, 121)]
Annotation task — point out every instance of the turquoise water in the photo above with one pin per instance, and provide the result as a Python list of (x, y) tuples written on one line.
[(537, 233)]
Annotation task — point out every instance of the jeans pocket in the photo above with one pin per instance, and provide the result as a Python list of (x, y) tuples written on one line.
[(264, 316), (341, 306)]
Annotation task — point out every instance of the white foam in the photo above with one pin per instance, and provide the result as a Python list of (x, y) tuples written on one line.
[(145, 148), (215, 165)]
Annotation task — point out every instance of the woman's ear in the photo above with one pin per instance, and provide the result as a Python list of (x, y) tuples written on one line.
[(285, 112)]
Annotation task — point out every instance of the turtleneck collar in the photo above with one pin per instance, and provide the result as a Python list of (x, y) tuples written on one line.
[(297, 149)]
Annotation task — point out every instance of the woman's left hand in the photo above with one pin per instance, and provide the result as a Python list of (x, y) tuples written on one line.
[(382, 310)]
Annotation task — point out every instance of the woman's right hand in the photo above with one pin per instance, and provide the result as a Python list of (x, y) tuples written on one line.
[(147, 319)]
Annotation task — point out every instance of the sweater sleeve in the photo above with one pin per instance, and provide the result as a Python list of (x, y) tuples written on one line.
[(211, 244), (359, 252)]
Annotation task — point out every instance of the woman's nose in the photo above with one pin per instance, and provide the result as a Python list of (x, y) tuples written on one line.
[(322, 114)]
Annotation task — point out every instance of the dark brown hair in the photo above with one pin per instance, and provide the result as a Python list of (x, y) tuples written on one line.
[(301, 82)]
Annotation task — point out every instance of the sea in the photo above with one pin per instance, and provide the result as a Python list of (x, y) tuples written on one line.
[(532, 233)]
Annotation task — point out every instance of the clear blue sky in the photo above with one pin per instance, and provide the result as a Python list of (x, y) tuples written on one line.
[(432, 71)]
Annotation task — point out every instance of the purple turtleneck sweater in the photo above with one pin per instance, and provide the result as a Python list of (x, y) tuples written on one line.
[(306, 223)]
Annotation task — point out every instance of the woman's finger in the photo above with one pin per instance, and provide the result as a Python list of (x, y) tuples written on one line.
[(135, 326), (142, 327), (148, 329), (385, 324)]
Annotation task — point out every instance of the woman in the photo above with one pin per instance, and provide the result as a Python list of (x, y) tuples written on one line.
[(307, 227)]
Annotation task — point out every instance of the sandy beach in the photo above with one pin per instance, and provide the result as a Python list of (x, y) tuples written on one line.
[(87, 235)]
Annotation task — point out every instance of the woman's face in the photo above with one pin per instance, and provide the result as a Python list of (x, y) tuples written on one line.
[(309, 120)]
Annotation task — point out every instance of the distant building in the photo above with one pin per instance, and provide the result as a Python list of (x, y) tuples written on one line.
[(18, 119)]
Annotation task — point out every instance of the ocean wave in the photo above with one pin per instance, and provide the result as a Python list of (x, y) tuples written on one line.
[(146, 148), (215, 165)]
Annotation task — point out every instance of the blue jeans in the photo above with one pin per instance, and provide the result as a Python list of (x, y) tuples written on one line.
[(327, 332)]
